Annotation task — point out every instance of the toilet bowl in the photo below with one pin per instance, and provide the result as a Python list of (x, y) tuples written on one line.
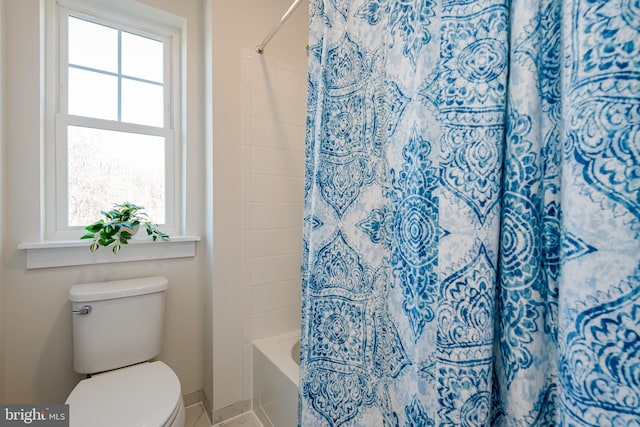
[(117, 332), (146, 395)]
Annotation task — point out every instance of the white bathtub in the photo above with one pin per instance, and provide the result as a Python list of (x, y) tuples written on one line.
[(275, 379)]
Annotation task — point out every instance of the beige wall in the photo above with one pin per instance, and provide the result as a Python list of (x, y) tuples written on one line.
[(37, 345), (238, 26), (2, 203)]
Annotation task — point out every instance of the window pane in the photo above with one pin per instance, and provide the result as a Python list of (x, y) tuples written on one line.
[(107, 167), (142, 57), (93, 94), (142, 103), (93, 45)]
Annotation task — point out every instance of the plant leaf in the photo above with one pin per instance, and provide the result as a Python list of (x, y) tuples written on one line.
[(95, 227), (106, 241)]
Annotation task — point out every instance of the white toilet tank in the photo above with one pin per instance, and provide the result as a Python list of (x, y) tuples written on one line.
[(117, 323)]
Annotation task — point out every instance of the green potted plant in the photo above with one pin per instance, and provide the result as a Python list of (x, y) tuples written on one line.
[(119, 225)]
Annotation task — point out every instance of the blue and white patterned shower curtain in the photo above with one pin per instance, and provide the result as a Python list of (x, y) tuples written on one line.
[(472, 214)]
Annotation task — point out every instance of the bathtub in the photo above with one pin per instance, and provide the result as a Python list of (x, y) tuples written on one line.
[(276, 373)]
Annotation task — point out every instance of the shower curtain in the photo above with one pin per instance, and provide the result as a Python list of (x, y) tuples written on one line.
[(472, 214)]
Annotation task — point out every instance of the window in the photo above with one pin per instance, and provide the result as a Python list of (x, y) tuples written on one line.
[(116, 130)]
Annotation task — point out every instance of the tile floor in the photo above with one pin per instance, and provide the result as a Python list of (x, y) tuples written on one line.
[(195, 417)]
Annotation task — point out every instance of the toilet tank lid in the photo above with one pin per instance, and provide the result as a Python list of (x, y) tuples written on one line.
[(117, 289)]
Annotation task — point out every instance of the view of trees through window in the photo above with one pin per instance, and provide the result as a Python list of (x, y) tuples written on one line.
[(107, 167)]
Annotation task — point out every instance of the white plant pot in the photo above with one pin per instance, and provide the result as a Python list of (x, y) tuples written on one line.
[(133, 231)]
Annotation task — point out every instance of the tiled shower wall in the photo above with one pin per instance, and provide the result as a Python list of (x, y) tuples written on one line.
[(273, 129)]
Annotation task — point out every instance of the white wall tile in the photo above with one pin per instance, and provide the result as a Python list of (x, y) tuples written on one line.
[(247, 304), (278, 162), (264, 215), (246, 214), (247, 156), (265, 188), (264, 105), (247, 386), (292, 163), (245, 187), (263, 270), (247, 244), (266, 324), (267, 161), (289, 267), (289, 214), (246, 272), (246, 69), (292, 137), (289, 241), (247, 101), (274, 296), (288, 189), (294, 293), (288, 110), (290, 293), (247, 329), (289, 319), (269, 106), (299, 168), (264, 243), (273, 164), (264, 132), (288, 82), (246, 357), (265, 298), (264, 74)]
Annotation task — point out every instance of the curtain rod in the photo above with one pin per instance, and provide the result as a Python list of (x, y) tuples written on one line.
[(274, 30)]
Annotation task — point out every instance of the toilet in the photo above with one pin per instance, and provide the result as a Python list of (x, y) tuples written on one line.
[(117, 331)]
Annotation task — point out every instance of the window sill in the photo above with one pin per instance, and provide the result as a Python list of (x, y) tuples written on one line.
[(65, 253)]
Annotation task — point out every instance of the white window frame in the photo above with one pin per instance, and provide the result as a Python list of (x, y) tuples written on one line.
[(137, 19)]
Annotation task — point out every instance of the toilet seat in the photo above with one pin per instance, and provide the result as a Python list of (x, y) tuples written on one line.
[(141, 395)]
